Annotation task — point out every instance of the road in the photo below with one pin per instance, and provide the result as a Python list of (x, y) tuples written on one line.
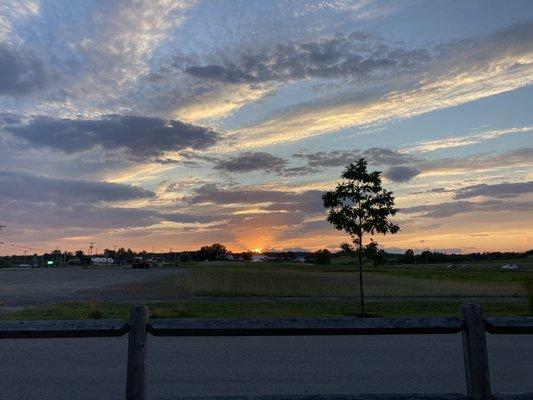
[(96, 368)]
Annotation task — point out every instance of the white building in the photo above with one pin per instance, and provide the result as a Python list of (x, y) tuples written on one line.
[(102, 261)]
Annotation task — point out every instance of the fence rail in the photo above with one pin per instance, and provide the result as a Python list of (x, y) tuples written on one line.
[(472, 326)]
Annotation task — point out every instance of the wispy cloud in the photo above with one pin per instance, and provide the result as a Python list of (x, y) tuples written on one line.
[(465, 140)]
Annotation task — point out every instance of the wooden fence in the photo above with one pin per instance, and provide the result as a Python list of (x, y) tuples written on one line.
[(472, 326)]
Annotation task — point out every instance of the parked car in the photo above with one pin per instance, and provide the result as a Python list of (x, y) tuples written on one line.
[(511, 267)]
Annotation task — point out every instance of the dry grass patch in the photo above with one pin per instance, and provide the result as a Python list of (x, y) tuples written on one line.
[(272, 282)]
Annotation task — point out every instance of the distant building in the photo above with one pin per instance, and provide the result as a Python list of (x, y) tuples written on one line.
[(259, 258), (102, 261), (300, 259)]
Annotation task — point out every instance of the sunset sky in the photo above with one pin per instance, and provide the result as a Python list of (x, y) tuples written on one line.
[(176, 124)]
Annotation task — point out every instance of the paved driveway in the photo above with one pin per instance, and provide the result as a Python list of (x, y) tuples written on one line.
[(23, 287)]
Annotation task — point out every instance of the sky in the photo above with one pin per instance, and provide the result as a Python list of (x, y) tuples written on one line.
[(174, 124)]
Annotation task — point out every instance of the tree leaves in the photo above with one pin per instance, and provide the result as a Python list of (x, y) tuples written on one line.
[(359, 204)]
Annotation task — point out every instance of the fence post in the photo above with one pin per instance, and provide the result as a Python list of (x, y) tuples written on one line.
[(136, 375), (475, 353)]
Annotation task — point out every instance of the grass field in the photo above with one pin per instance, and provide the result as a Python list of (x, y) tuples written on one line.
[(271, 279), (266, 309), (174, 294)]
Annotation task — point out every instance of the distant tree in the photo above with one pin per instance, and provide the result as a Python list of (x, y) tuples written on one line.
[(409, 257), (426, 256), (79, 254), (323, 257), (380, 258), (359, 205), (185, 257), (347, 249), (212, 252), (130, 255), (247, 256)]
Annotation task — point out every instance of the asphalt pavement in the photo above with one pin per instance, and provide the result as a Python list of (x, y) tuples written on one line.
[(188, 367)]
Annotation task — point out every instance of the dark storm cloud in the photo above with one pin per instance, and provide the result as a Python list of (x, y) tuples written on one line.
[(495, 191), (252, 161), (141, 137), (21, 72), (401, 173), (358, 54), (443, 210), (23, 186)]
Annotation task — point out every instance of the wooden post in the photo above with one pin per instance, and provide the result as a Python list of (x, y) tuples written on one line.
[(136, 375), (475, 353)]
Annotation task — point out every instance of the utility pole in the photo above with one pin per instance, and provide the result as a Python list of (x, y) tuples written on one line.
[(91, 246)]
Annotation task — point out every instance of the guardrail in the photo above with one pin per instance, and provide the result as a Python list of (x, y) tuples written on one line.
[(473, 327)]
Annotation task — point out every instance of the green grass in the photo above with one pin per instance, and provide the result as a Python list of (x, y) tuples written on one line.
[(274, 280), (457, 274), (259, 309)]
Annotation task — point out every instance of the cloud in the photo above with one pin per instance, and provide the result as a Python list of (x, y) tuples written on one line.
[(403, 166), (21, 72), (309, 202), (141, 137), (443, 210), (466, 140), (458, 72), (39, 189), (252, 161), (341, 158), (358, 54), (50, 203), (315, 162), (499, 190), (401, 173), (35, 215), (522, 157), (211, 193)]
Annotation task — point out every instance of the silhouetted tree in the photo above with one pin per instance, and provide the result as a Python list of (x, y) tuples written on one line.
[(409, 257), (212, 252), (347, 249), (380, 258), (359, 205), (323, 257)]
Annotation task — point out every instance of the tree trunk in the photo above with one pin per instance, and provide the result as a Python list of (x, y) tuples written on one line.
[(361, 295)]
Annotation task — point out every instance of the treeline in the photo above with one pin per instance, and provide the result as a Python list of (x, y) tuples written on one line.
[(218, 252), (429, 257)]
